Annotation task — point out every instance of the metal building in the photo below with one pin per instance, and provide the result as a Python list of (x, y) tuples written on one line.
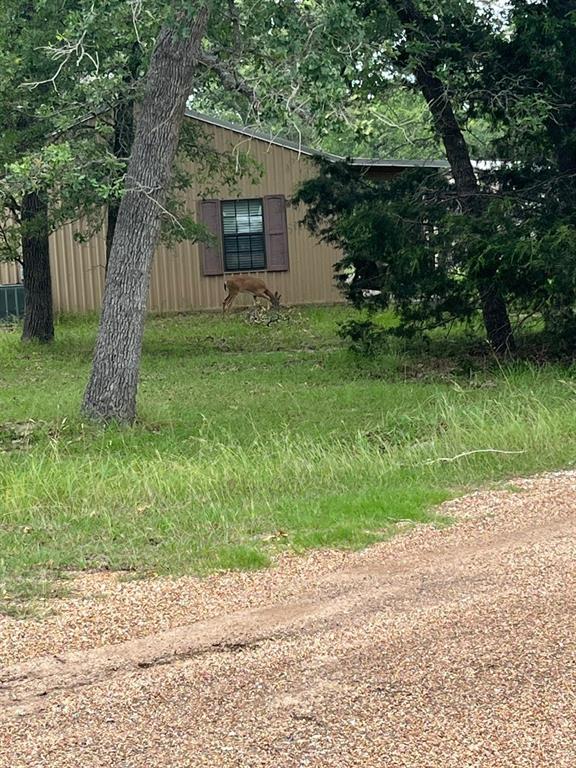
[(256, 229)]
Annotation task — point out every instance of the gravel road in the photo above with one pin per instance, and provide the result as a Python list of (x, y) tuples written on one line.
[(442, 648)]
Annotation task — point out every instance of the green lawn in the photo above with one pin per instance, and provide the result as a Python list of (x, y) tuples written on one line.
[(246, 432)]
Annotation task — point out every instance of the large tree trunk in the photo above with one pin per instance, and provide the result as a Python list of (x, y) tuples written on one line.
[(111, 391), (492, 302), (123, 137), (38, 314), (494, 310)]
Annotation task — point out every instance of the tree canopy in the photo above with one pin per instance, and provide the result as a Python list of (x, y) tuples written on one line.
[(499, 234)]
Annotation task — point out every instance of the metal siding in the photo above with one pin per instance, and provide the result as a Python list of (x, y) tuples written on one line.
[(177, 282), (9, 273), (78, 270), (310, 278)]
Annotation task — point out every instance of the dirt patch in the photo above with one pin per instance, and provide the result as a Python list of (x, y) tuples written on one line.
[(449, 647)]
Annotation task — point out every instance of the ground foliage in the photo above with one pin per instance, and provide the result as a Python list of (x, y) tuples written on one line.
[(247, 429)]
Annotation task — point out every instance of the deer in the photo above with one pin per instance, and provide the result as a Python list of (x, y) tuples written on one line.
[(253, 285)]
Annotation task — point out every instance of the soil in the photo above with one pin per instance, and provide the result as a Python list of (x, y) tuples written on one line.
[(441, 648)]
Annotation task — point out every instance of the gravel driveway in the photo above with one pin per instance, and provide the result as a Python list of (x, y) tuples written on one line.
[(452, 648)]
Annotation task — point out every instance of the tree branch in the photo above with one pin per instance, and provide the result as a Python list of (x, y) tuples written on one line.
[(229, 78)]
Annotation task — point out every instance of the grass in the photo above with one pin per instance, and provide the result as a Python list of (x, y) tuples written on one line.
[(251, 439)]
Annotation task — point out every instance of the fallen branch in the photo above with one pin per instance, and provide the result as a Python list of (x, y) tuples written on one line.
[(470, 453)]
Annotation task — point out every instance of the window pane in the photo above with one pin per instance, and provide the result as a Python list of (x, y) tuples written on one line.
[(243, 230)]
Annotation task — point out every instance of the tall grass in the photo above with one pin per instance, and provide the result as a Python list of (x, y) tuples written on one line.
[(250, 439)]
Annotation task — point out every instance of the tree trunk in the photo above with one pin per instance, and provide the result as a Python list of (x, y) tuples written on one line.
[(123, 137), (494, 310), (492, 302), (113, 384), (495, 317), (38, 314)]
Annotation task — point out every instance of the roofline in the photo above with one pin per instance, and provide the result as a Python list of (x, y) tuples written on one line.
[(398, 163), (302, 149), (254, 134)]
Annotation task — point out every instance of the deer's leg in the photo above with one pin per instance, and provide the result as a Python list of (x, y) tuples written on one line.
[(228, 301), (261, 295)]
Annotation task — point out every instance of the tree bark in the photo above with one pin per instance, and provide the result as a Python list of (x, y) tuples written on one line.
[(113, 384), (38, 312), (494, 310)]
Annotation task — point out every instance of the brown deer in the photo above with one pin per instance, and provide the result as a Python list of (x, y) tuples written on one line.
[(253, 285)]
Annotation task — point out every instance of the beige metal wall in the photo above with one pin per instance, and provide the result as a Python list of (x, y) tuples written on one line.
[(9, 273), (177, 281)]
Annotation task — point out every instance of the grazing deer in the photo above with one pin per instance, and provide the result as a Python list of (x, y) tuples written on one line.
[(258, 289)]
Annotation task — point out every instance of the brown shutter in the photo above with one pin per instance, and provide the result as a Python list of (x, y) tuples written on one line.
[(276, 231), (211, 257)]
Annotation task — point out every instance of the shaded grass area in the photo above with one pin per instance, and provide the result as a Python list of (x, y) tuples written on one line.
[(250, 439)]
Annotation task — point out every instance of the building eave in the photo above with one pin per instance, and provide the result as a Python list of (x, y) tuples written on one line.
[(367, 162), (302, 149)]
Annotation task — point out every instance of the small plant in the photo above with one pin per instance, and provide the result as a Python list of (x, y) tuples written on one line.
[(261, 315), (18, 435), (364, 336)]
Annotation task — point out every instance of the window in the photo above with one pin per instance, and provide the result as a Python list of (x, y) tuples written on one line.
[(248, 235), (243, 235)]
